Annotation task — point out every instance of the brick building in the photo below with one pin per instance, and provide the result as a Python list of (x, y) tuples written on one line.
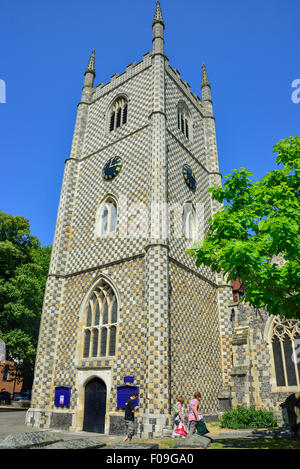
[(8, 381)]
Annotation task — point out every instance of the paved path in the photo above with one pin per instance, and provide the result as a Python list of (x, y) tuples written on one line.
[(12, 423)]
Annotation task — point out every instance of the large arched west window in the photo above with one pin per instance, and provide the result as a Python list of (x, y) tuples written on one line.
[(101, 317), (184, 121), (286, 353), (106, 218), (118, 113), (189, 221)]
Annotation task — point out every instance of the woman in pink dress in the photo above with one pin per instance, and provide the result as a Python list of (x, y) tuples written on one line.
[(194, 415), (179, 417)]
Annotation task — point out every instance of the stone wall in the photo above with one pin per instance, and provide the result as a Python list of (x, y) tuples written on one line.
[(253, 380), (195, 339)]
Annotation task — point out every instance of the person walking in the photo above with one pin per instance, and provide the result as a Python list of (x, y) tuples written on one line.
[(179, 414), (130, 409), (194, 415)]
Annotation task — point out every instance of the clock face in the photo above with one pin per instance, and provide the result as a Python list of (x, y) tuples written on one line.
[(112, 167), (189, 177)]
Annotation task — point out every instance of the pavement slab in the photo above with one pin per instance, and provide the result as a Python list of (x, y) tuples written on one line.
[(28, 440), (194, 441), (78, 443), (132, 446)]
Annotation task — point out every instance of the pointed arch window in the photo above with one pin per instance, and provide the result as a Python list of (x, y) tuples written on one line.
[(118, 113), (189, 221), (106, 218), (101, 317), (184, 121), (286, 353)]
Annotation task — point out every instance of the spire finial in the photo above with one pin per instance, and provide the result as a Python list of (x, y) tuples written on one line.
[(91, 65), (158, 15), (205, 81)]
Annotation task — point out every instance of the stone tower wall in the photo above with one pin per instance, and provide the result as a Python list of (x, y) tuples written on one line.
[(194, 322), (79, 256), (195, 339)]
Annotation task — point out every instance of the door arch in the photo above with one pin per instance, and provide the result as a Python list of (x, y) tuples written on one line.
[(94, 406)]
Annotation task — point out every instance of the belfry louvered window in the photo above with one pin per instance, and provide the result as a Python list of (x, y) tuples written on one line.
[(118, 114), (184, 119), (100, 330), (286, 353)]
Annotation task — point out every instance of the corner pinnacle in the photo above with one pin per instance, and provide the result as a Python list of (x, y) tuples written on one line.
[(91, 65), (205, 81)]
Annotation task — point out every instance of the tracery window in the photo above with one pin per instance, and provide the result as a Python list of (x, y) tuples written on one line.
[(189, 221), (101, 316), (286, 352), (184, 119), (106, 218), (118, 113)]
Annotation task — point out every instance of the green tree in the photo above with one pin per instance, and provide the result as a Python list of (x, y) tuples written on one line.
[(258, 224), (24, 266)]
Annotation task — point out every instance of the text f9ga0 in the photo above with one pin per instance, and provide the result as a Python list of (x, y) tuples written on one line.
[(172, 458)]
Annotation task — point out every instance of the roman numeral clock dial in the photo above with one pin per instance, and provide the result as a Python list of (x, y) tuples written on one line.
[(112, 167)]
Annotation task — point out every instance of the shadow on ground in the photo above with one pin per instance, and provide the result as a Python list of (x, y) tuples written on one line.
[(256, 443)]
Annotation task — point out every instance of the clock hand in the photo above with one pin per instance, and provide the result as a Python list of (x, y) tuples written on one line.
[(113, 165)]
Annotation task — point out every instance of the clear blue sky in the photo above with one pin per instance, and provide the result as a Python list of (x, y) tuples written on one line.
[(250, 48)]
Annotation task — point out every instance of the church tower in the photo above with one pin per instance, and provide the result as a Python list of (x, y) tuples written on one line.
[(124, 302)]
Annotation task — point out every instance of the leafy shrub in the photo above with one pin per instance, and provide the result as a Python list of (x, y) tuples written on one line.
[(247, 417)]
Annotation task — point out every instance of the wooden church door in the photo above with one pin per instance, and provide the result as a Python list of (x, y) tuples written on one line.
[(94, 406)]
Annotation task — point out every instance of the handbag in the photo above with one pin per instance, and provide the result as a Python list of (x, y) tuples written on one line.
[(201, 427), (180, 430), (175, 410)]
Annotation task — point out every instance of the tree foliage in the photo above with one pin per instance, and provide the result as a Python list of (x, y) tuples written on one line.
[(24, 266), (257, 226)]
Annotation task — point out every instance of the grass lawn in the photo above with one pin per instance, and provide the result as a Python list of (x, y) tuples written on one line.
[(234, 443), (262, 443), (229, 443), (163, 444), (215, 428)]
